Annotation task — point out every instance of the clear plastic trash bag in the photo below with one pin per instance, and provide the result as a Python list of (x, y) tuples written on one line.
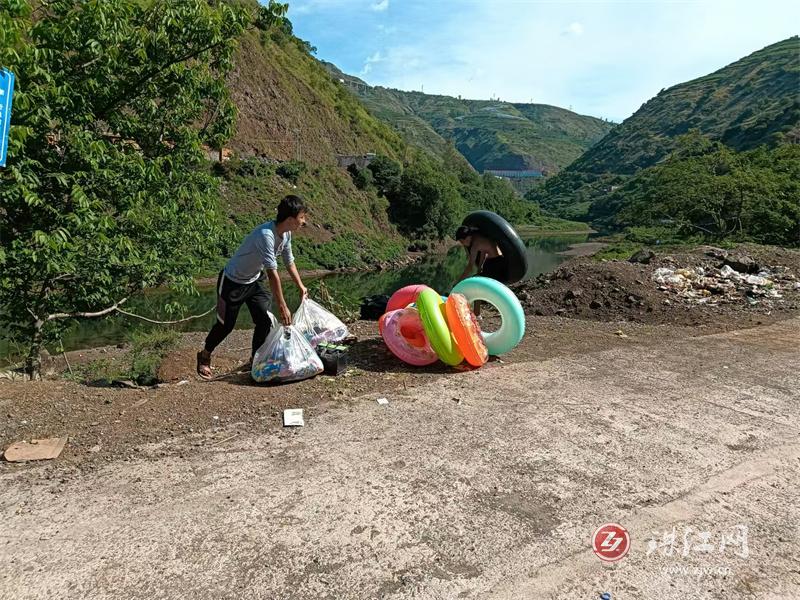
[(317, 324), (285, 356)]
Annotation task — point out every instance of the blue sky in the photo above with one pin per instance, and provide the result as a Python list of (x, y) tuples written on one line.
[(602, 58)]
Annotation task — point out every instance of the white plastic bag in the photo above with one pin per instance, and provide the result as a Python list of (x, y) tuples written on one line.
[(317, 324), (285, 356)]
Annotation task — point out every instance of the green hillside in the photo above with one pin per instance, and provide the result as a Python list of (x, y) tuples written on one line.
[(289, 107), (500, 135), (291, 113), (751, 102), (295, 119), (742, 105), (490, 134), (392, 108)]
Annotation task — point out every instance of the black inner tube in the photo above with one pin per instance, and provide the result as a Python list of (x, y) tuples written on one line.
[(496, 228)]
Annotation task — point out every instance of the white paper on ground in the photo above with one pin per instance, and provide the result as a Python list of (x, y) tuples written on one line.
[(293, 417)]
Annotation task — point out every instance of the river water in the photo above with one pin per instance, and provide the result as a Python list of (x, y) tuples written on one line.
[(438, 271)]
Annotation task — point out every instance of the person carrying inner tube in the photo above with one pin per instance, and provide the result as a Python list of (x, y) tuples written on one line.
[(483, 254)]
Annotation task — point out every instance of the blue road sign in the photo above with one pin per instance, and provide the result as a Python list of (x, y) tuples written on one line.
[(6, 93)]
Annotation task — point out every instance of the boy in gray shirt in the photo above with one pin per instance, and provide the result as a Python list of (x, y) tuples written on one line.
[(240, 282)]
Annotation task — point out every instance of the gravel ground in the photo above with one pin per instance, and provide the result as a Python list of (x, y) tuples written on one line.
[(470, 484)]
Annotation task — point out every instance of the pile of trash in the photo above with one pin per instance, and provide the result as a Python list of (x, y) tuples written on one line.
[(725, 285)]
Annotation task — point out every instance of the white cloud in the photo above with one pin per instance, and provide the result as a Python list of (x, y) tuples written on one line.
[(380, 6), (574, 29), (371, 60), (610, 58), (308, 7)]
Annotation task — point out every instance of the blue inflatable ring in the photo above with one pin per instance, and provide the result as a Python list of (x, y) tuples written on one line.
[(503, 299)]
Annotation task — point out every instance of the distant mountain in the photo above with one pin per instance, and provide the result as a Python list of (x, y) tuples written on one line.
[(742, 105), (750, 102), (390, 107), (489, 133)]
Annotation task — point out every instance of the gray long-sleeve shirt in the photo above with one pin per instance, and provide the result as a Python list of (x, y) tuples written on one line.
[(258, 251)]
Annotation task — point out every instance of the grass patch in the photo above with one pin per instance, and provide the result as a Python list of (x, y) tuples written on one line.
[(102, 370), (618, 250), (140, 364), (148, 350)]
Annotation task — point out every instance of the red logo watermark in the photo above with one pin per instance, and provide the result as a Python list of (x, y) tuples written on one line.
[(611, 542)]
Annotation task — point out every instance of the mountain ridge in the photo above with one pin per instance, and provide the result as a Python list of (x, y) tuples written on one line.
[(748, 103), (713, 104), (491, 134)]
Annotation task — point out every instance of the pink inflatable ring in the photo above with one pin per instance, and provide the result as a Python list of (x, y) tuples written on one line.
[(404, 296), (405, 337)]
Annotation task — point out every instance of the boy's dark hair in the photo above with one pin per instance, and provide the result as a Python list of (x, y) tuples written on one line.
[(290, 206), (464, 232)]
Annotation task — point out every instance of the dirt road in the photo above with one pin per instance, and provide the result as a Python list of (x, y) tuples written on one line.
[(484, 484)]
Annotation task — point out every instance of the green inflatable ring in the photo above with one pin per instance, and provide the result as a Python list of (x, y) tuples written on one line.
[(430, 307), (503, 299)]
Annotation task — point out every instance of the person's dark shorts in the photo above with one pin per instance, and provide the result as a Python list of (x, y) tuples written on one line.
[(496, 268)]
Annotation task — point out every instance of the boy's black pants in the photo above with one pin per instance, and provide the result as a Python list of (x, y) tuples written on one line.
[(230, 297)]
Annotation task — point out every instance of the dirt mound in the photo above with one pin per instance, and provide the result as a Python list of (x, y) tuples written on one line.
[(706, 286)]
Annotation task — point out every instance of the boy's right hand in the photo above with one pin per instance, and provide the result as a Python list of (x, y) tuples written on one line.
[(286, 315)]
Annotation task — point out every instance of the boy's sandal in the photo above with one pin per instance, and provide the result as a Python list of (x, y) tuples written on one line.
[(204, 366)]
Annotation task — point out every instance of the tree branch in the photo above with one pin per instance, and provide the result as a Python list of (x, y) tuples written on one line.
[(76, 315), (116, 308), (126, 313)]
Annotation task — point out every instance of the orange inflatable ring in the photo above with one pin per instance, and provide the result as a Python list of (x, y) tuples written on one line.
[(465, 329)]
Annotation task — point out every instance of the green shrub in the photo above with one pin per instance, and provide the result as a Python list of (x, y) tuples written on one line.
[(292, 170), (148, 350), (386, 173), (103, 370), (427, 202), (362, 178)]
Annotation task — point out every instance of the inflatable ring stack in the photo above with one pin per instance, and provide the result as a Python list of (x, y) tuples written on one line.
[(420, 326)]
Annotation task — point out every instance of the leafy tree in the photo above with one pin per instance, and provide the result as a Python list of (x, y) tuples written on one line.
[(428, 199), (272, 15), (386, 173), (496, 194), (362, 178), (103, 194), (707, 189), (426, 203)]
